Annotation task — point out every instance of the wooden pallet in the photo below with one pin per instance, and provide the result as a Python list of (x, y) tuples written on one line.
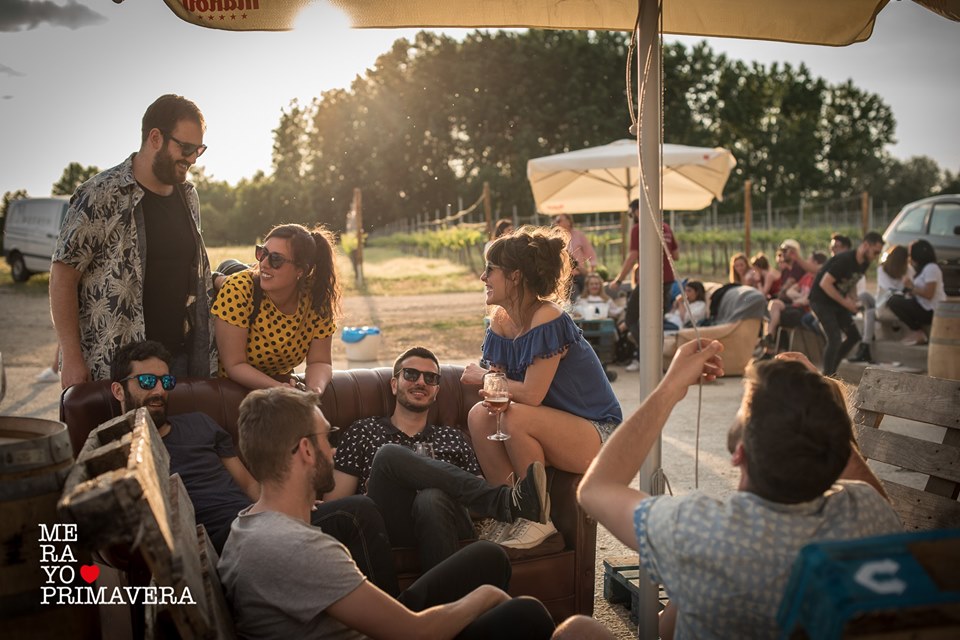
[(621, 584), (121, 492)]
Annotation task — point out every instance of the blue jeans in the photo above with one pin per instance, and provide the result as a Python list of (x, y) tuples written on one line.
[(425, 502), (480, 563)]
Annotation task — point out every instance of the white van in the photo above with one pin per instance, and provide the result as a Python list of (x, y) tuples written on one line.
[(30, 234)]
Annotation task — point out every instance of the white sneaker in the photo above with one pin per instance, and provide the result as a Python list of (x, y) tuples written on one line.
[(48, 375), (492, 530), (526, 534), (633, 366)]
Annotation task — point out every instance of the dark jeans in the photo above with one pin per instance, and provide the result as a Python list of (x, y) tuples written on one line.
[(632, 317), (835, 320), (910, 312), (356, 522), (425, 502), (477, 564)]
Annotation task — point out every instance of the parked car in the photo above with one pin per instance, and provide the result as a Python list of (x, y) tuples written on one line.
[(30, 234), (936, 220)]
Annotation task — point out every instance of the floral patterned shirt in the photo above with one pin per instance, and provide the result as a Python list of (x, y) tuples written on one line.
[(103, 238)]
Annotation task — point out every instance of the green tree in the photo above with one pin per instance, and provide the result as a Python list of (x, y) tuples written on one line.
[(73, 176)]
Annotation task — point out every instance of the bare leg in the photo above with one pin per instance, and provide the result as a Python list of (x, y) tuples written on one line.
[(581, 628), (668, 621), (556, 438), (774, 308)]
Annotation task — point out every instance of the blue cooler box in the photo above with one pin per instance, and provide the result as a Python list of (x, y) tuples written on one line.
[(875, 587)]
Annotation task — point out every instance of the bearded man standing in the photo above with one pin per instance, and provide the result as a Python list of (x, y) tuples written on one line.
[(130, 264)]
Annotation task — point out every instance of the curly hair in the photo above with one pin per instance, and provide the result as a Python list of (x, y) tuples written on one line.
[(541, 258)]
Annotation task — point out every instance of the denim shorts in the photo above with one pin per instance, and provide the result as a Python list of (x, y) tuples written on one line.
[(604, 429)]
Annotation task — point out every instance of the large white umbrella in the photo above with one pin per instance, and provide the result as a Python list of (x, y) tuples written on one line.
[(606, 178)]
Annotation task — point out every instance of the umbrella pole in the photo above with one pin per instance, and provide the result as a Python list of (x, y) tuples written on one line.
[(651, 268)]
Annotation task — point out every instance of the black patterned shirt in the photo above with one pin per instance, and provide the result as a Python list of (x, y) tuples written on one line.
[(363, 439)]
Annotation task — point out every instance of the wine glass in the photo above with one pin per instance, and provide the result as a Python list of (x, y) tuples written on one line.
[(498, 397)]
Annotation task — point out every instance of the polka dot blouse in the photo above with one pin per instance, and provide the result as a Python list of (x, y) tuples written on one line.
[(277, 342)]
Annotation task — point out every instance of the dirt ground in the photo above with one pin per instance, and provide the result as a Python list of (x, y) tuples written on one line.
[(451, 324)]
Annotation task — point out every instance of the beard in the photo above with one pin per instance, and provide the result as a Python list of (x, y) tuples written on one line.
[(323, 481), (165, 168), (158, 411), (405, 401)]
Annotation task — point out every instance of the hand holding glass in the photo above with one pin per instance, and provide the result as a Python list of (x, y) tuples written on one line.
[(498, 398)]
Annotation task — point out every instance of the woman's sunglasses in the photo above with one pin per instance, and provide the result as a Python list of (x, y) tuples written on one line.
[(148, 381), (274, 259), (412, 375)]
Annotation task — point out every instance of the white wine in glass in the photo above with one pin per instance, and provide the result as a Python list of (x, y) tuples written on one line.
[(498, 397)]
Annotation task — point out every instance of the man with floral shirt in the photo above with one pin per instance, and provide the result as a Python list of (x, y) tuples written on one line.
[(130, 263)]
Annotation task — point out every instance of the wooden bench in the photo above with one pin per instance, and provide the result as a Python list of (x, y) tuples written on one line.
[(932, 401)]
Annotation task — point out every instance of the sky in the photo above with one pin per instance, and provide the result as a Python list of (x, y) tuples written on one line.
[(77, 75)]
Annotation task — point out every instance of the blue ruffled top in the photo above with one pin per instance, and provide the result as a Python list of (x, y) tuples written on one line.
[(579, 387)]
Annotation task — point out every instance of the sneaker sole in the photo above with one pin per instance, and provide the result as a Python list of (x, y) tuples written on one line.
[(542, 494), (528, 545)]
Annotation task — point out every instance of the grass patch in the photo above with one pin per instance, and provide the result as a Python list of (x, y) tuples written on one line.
[(386, 271)]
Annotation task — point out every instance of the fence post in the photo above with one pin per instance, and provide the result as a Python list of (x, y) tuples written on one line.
[(769, 212), (800, 213), (864, 212), (747, 216), (486, 209), (358, 220)]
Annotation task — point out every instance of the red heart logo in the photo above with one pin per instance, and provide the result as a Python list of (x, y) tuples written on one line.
[(89, 572)]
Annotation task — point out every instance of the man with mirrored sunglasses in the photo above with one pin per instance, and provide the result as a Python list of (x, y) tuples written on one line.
[(427, 500), (130, 263), (218, 482)]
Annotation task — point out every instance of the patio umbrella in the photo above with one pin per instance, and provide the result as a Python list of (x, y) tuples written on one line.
[(826, 22), (606, 178)]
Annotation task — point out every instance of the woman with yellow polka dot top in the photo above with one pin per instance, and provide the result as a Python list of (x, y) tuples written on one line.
[(296, 320)]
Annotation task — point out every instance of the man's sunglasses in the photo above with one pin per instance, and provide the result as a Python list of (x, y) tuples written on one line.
[(148, 381), (274, 259), (187, 149), (326, 433), (412, 375)]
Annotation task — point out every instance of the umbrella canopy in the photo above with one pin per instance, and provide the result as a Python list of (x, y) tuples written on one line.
[(606, 178), (826, 22)]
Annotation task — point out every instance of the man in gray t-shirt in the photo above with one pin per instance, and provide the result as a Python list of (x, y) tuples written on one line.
[(286, 579), (725, 563)]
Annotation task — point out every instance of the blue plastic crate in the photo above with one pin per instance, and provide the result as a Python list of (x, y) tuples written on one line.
[(874, 585)]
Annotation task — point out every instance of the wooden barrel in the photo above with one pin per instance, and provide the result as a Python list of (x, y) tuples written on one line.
[(943, 354), (35, 458)]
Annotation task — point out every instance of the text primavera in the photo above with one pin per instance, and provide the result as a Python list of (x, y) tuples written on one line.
[(116, 595)]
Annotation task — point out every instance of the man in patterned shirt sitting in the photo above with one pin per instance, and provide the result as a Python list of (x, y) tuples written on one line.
[(725, 563), (425, 499)]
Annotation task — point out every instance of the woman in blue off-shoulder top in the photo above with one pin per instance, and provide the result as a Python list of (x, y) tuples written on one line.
[(563, 407)]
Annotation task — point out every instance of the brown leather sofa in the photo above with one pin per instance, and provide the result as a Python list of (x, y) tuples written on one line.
[(562, 578)]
